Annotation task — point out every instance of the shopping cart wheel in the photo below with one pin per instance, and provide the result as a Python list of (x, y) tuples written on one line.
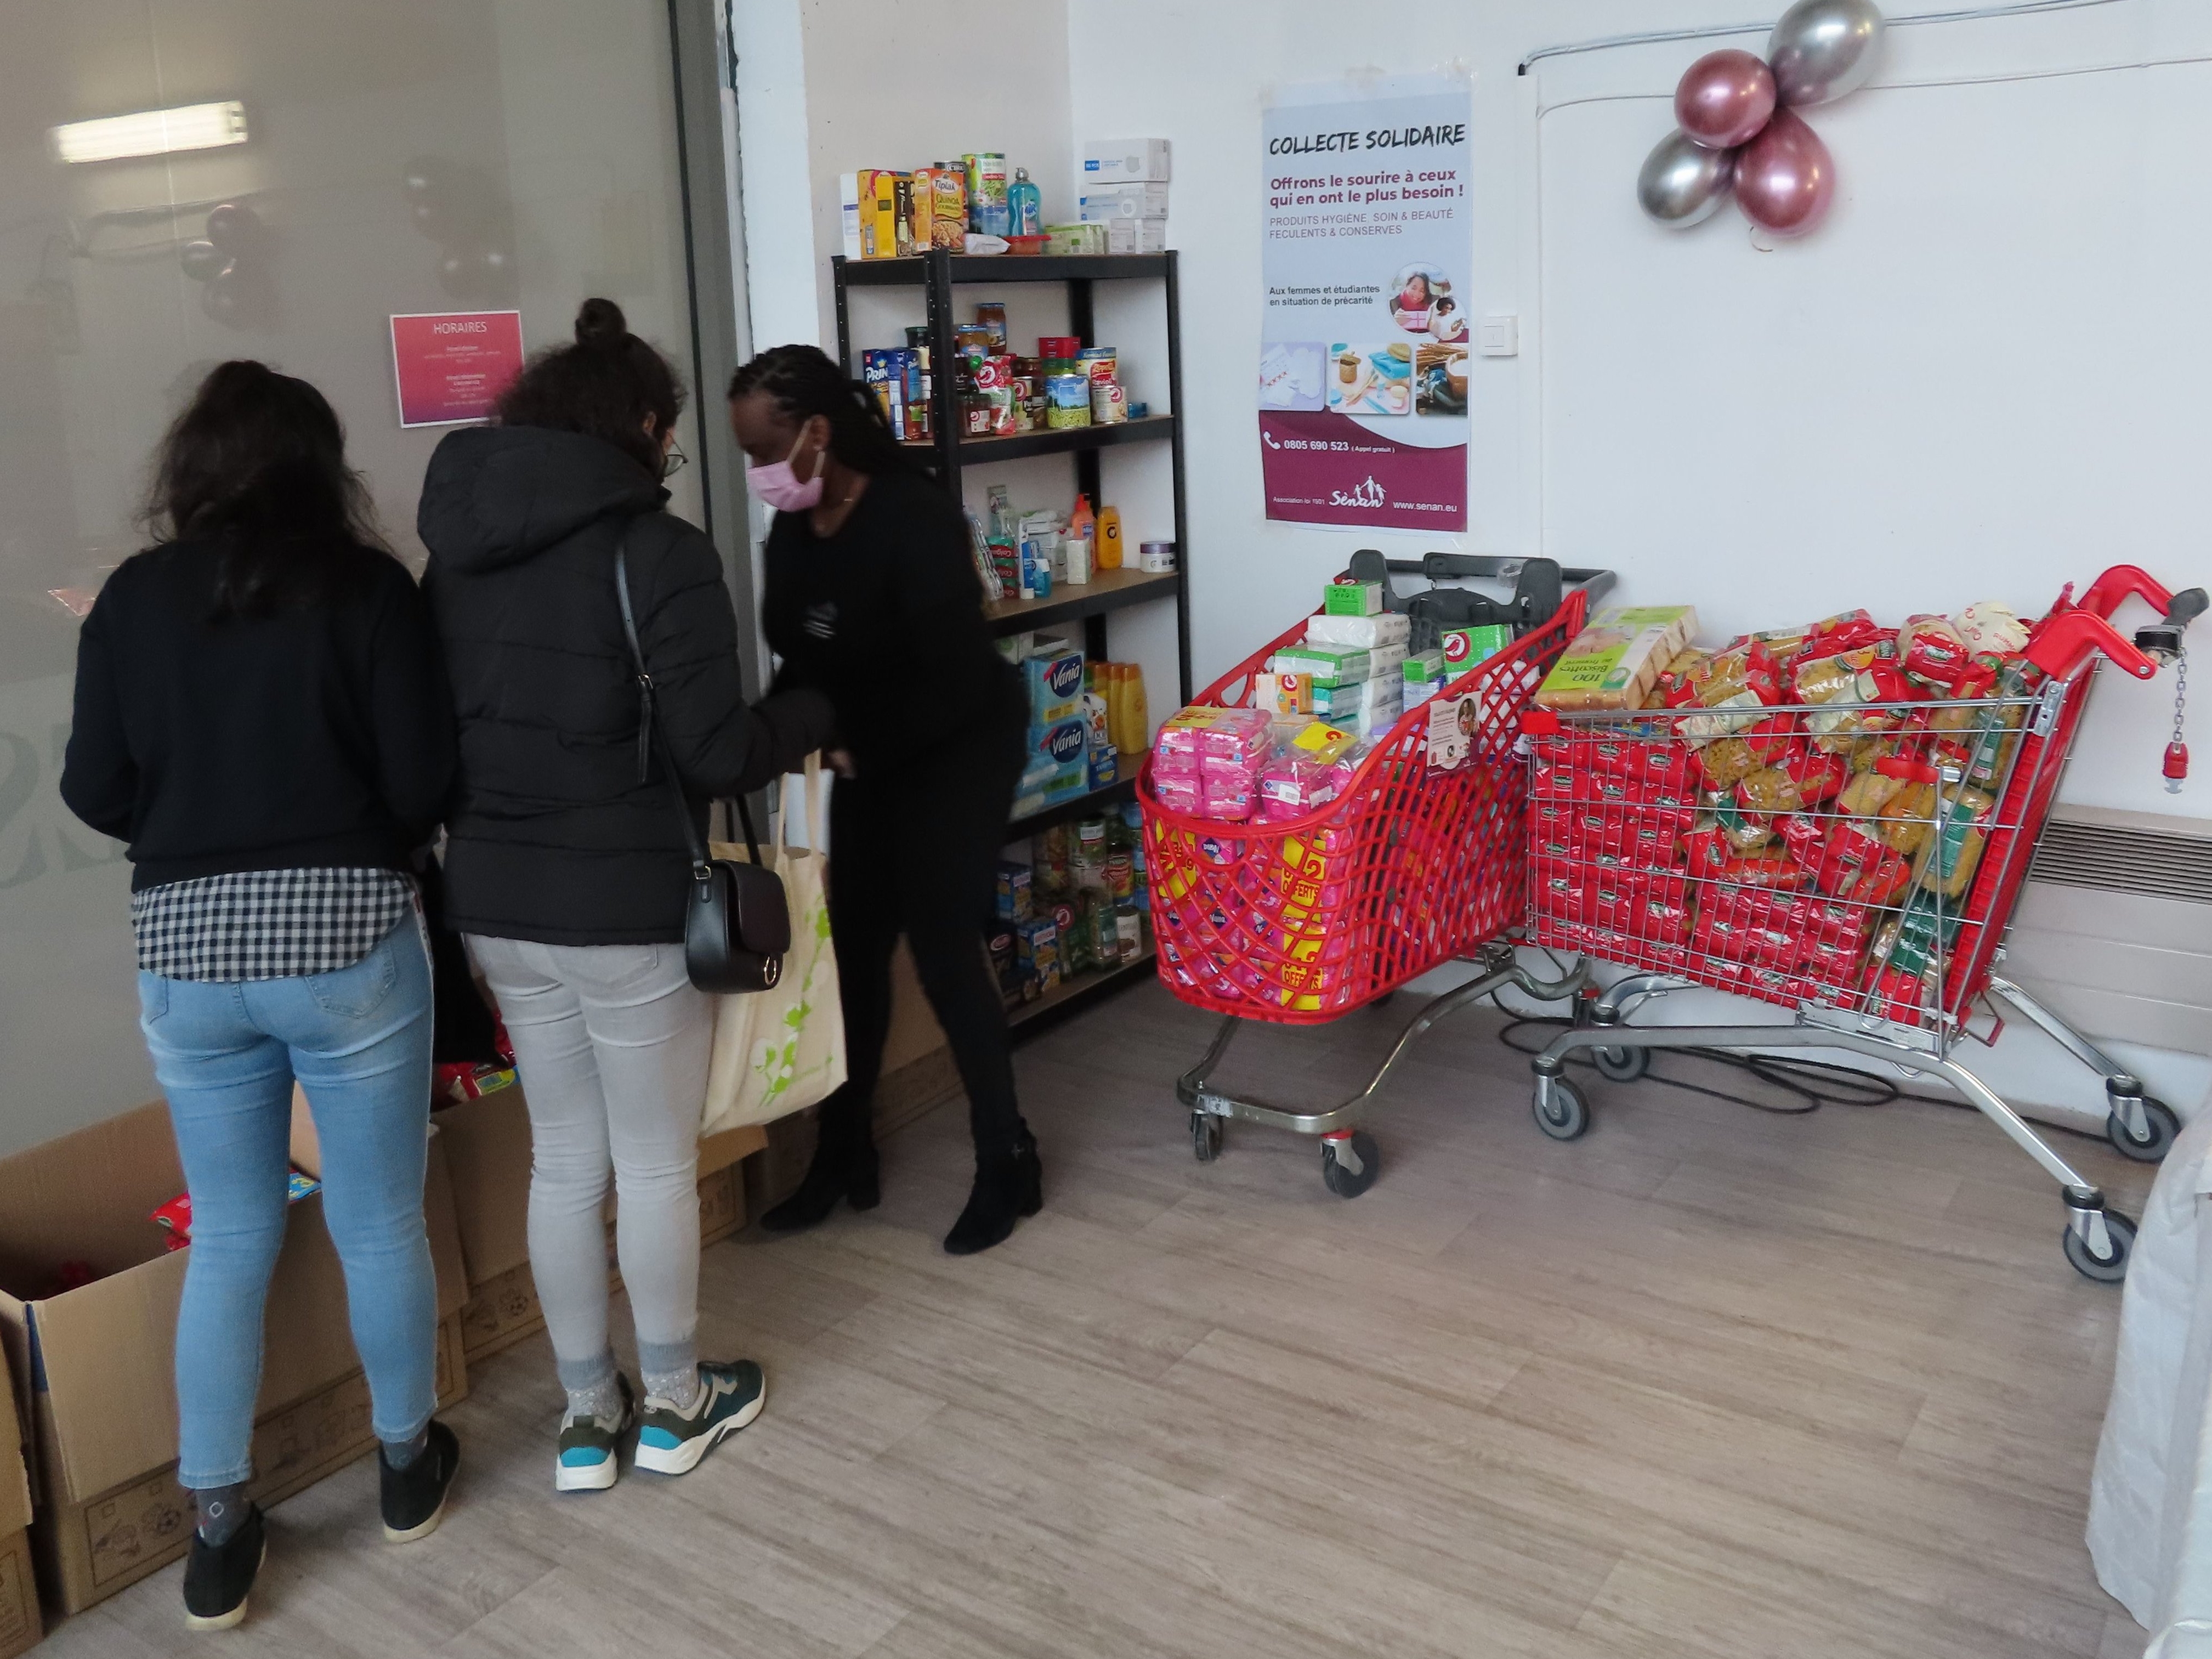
[(1339, 1173), (2162, 1123), (2112, 1269), (1561, 1111), (1622, 1063), (1205, 1137)]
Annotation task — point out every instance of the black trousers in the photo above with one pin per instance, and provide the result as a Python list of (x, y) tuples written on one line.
[(921, 857)]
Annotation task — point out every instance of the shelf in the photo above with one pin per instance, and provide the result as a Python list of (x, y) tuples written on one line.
[(1107, 590), (1054, 440), (1071, 997), (1111, 799), (973, 270)]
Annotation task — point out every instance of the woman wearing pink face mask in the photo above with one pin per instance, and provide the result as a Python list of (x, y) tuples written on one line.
[(871, 598)]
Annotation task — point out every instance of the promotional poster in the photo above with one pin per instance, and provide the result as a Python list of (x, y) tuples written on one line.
[(1365, 337)]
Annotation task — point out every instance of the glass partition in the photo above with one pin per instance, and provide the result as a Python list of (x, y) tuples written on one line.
[(321, 168)]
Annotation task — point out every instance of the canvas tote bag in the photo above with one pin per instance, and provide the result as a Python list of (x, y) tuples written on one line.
[(782, 1049)]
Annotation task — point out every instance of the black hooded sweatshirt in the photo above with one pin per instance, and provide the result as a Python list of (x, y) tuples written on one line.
[(551, 836)]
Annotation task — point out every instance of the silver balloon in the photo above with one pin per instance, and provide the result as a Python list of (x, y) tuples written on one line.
[(1822, 49), (1683, 182)]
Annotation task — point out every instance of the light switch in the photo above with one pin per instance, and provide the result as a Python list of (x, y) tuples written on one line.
[(1499, 337)]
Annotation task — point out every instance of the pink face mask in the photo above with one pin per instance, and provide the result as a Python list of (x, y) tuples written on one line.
[(784, 489)]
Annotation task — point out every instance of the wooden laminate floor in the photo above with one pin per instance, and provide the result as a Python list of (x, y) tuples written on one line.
[(1706, 1382)]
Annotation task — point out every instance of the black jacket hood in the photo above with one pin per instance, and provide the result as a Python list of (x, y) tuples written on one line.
[(497, 495)]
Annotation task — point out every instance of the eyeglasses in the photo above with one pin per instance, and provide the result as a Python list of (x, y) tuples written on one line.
[(673, 461)]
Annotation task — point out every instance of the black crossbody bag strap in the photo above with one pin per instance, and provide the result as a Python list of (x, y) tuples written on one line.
[(650, 734), (736, 921)]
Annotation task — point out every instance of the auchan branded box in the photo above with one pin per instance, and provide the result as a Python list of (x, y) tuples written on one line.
[(488, 1148), (20, 1628), (89, 1316)]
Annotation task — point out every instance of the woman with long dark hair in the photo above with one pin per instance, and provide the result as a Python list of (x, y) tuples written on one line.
[(262, 716), (566, 867), (872, 597)]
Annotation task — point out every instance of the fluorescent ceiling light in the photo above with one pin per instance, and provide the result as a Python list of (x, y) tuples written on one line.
[(152, 133)]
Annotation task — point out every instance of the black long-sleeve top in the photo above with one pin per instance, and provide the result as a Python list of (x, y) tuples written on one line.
[(886, 617), (319, 735)]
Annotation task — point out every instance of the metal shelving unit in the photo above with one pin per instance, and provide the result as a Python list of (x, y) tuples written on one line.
[(950, 453)]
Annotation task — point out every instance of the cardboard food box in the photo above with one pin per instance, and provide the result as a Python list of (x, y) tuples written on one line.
[(20, 1628), (488, 1149), (88, 1316)]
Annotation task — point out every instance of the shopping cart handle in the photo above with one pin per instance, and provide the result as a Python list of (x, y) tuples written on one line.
[(2061, 642), (2105, 593)]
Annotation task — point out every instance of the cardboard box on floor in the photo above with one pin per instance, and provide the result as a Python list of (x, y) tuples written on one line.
[(98, 1358), (488, 1151), (20, 1628)]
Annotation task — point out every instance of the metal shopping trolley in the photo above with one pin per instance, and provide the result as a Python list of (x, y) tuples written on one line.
[(1418, 861), (1856, 862)]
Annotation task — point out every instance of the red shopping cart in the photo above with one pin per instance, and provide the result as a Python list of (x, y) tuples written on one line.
[(1417, 862), (1855, 861)]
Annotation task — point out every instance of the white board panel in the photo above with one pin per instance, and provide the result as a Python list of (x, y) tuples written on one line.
[(1985, 376)]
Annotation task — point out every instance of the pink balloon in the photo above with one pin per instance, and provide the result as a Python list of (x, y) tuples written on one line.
[(1724, 98), (1785, 179)]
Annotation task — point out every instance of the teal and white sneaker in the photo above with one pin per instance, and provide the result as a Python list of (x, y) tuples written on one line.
[(670, 1442), (590, 1446)]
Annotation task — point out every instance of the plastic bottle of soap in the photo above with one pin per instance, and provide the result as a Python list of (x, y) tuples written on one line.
[(1110, 538), (1082, 525), (1024, 206)]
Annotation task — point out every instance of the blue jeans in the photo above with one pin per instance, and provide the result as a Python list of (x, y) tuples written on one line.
[(359, 1042)]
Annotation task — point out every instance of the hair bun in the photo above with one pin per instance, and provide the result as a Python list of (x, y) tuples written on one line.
[(600, 321)]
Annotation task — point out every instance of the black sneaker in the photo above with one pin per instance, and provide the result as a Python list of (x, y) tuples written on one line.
[(670, 1442), (589, 1456), (217, 1577), (414, 1499)]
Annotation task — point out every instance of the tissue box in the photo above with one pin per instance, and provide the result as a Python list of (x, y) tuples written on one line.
[(1349, 599), (1330, 666), (1055, 680), (1464, 647), (1102, 204), (1125, 161), (1362, 633)]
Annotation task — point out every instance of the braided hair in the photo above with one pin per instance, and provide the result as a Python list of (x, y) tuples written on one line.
[(805, 382), (605, 386)]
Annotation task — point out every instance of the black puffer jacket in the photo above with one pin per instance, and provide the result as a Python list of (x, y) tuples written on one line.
[(552, 837)]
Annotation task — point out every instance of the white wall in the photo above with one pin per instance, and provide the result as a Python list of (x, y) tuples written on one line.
[(1643, 427), (1576, 479)]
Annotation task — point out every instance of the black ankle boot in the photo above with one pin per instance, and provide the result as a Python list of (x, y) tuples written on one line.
[(835, 1174), (1006, 1186)]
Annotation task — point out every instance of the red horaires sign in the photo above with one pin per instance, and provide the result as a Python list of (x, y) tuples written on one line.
[(451, 365)]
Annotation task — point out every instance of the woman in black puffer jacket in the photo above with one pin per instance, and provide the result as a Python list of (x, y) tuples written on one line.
[(567, 873)]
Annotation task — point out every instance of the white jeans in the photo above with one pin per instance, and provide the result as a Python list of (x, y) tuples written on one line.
[(611, 1041)]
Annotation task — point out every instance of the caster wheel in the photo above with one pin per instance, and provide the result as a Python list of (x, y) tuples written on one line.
[(1205, 1137), (1622, 1063), (1340, 1176), (2113, 1268), (2163, 1126), (1561, 1111)]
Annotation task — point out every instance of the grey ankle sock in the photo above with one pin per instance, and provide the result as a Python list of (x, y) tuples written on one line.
[(222, 1511), (672, 1371), (592, 1389), (400, 1453), (601, 1400)]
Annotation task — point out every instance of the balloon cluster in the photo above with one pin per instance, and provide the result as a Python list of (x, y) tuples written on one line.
[(1739, 127), (456, 207), (232, 260)]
